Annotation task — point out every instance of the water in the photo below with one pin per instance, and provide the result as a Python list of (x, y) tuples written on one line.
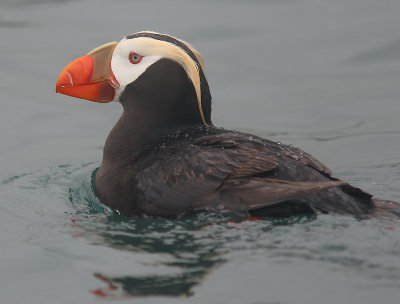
[(323, 76)]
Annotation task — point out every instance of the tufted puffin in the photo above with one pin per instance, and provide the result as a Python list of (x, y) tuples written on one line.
[(165, 158)]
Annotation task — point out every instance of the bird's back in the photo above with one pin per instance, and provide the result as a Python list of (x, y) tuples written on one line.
[(208, 168)]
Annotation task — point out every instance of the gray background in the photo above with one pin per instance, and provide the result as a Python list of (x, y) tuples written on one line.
[(322, 75)]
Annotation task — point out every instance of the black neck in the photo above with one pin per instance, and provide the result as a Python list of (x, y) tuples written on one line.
[(131, 133), (160, 101)]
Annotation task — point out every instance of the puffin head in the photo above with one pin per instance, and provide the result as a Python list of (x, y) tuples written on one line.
[(148, 72)]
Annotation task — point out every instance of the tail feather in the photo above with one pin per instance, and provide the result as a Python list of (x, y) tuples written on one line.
[(386, 208)]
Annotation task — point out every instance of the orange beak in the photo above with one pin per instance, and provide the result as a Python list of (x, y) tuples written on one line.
[(89, 77)]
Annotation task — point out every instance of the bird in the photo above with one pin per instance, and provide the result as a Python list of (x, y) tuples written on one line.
[(165, 158)]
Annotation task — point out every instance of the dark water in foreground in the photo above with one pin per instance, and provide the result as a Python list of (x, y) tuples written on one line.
[(321, 75), (79, 250)]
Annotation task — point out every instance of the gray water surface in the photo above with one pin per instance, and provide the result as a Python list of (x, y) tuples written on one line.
[(322, 75)]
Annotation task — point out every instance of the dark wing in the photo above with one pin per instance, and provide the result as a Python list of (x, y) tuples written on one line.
[(256, 193), (216, 172), (277, 150)]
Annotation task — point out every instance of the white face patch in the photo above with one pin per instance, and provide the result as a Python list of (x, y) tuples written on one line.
[(152, 50), (124, 71)]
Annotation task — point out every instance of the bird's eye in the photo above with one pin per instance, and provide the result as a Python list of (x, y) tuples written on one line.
[(135, 58)]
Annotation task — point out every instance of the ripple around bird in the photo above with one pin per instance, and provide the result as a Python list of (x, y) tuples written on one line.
[(148, 257)]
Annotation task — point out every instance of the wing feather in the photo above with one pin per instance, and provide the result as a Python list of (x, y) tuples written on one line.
[(218, 172)]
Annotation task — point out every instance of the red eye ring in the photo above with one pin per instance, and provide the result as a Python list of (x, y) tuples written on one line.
[(135, 58)]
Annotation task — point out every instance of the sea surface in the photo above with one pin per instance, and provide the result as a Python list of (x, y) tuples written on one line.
[(321, 75)]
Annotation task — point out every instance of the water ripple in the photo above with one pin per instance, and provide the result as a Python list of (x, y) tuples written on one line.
[(147, 257)]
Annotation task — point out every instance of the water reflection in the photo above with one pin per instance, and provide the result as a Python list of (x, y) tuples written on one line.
[(182, 248), (159, 257)]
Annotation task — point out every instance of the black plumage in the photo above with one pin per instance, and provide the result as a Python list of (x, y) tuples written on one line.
[(179, 165), (204, 168), (165, 158)]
